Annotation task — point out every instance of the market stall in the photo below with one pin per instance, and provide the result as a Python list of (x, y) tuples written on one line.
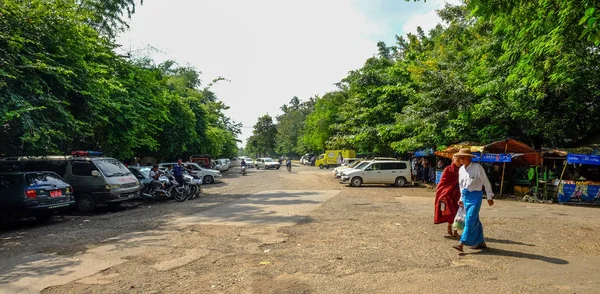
[(449, 151), (520, 157), (578, 188)]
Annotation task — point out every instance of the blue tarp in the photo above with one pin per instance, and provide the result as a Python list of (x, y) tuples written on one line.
[(583, 159), (424, 152), (491, 157)]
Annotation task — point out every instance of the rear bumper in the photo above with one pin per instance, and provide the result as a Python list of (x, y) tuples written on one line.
[(35, 207)]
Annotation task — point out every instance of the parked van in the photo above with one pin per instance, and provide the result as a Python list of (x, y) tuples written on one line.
[(380, 172), (95, 180)]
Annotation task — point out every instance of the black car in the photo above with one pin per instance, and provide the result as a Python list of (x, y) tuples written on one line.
[(37, 194)]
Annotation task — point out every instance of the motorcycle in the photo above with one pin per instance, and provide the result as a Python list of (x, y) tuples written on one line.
[(175, 191), (193, 186), (244, 170), (289, 168)]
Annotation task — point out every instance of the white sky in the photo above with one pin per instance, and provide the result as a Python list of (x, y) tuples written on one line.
[(270, 50)]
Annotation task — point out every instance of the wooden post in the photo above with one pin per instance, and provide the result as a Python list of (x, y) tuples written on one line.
[(561, 177), (503, 168)]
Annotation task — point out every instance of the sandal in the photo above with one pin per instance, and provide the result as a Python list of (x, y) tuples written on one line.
[(458, 247)]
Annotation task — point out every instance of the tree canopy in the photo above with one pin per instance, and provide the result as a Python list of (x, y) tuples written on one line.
[(494, 69), (64, 88)]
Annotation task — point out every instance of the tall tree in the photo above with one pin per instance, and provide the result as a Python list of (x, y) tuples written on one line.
[(263, 142)]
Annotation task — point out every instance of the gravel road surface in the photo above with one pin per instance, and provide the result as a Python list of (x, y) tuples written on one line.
[(301, 232)]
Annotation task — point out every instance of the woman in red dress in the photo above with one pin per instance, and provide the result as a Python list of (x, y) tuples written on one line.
[(447, 196)]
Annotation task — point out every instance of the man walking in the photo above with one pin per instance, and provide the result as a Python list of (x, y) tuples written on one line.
[(471, 180)]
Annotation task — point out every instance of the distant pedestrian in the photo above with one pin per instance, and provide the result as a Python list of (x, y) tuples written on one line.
[(447, 195), (471, 179)]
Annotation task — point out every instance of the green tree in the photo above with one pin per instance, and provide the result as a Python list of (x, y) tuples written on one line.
[(263, 139)]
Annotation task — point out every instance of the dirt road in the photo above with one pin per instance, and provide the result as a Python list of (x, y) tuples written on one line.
[(275, 232)]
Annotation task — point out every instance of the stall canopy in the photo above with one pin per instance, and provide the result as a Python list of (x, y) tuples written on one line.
[(499, 151), (583, 159), (424, 152), (450, 150)]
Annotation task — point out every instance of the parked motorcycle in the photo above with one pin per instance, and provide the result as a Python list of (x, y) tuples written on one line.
[(193, 186)]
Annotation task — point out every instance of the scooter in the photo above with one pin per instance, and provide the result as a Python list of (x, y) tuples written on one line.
[(244, 170)]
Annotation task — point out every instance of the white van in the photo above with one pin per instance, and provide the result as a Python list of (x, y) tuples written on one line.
[(379, 172)]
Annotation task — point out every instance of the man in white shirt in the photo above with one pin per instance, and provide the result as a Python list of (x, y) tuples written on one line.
[(471, 180)]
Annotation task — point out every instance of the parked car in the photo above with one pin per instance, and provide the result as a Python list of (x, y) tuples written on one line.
[(379, 172), (305, 160), (37, 194), (95, 180), (266, 163), (248, 160), (209, 176), (338, 170), (142, 173), (226, 162)]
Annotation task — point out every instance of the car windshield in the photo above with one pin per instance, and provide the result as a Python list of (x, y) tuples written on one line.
[(44, 179), (193, 166), (354, 164), (268, 160), (112, 167), (362, 165), (145, 171)]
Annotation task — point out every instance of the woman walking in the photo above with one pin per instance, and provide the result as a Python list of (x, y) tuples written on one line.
[(471, 179), (447, 196)]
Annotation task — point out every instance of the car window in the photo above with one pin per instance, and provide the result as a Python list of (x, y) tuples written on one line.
[(112, 167), (377, 166), (82, 168), (136, 173), (268, 160), (400, 165), (43, 179)]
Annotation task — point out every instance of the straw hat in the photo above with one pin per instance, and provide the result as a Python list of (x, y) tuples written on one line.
[(464, 152)]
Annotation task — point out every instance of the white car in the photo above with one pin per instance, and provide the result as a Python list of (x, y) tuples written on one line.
[(209, 176), (248, 160), (338, 170), (222, 164), (266, 163), (379, 172)]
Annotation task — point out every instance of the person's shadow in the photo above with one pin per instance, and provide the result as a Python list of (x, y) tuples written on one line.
[(502, 252), (501, 241)]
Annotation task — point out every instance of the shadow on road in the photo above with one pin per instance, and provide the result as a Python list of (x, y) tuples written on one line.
[(501, 241), (508, 253)]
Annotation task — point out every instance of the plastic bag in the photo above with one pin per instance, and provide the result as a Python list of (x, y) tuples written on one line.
[(459, 220)]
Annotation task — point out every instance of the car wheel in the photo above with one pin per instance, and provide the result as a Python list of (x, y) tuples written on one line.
[(400, 181), (321, 166), (208, 180), (278, 167), (43, 217), (85, 203), (356, 182)]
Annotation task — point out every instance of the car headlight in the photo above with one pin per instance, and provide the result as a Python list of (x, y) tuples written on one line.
[(112, 186)]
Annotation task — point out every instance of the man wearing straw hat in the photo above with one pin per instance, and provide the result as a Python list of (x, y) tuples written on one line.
[(471, 180)]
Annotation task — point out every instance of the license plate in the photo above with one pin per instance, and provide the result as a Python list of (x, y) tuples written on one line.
[(56, 193)]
